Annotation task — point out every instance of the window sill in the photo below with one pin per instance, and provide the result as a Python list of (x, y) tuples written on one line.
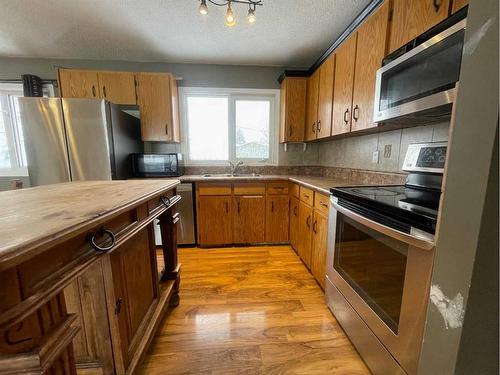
[(14, 172)]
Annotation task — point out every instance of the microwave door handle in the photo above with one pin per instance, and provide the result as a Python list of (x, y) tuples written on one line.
[(393, 233)]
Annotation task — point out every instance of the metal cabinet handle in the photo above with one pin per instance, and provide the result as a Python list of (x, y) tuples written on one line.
[(118, 306), (314, 127), (323, 204), (437, 5), (346, 119), (308, 221), (238, 206), (166, 128), (315, 225), (100, 233), (165, 201), (295, 211), (104, 91), (290, 131), (272, 206), (93, 91), (319, 126), (307, 196), (354, 111), (227, 208)]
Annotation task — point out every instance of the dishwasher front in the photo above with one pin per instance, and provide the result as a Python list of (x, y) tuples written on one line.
[(186, 226)]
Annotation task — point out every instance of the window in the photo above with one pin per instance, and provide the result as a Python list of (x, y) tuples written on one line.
[(12, 152), (224, 125)]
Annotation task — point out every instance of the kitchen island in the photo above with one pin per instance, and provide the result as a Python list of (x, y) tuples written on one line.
[(81, 290)]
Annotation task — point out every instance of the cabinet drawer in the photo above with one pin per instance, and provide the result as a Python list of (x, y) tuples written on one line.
[(321, 202), (277, 187), (306, 195), (214, 189), (249, 188), (294, 190)]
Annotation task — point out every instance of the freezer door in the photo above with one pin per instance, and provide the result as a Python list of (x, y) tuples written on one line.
[(87, 130), (44, 140)]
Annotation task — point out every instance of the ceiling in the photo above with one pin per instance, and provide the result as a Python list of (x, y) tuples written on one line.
[(288, 33)]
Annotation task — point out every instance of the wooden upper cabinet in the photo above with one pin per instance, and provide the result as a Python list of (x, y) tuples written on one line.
[(277, 218), (293, 109), (78, 83), (249, 219), (312, 106), (371, 49), (325, 97), (458, 4), (158, 107), (215, 220), (117, 87), (343, 85), (410, 18)]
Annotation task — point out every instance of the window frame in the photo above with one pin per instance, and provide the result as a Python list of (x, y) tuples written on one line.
[(8, 89), (233, 95)]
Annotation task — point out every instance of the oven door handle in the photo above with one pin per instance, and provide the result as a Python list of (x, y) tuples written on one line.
[(409, 239)]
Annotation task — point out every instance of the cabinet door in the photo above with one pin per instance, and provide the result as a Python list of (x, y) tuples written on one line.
[(134, 272), (293, 109), (305, 232), (78, 83), (325, 98), (344, 80), (215, 216), (410, 18), (319, 247), (249, 218), (459, 4), (154, 98), (118, 87), (277, 218), (312, 106), (176, 125), (294, 222), (371, 49)]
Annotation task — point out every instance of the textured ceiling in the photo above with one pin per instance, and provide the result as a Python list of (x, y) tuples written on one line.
[(290, 33)]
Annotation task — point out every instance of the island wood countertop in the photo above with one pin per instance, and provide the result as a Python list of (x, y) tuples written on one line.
[(32, 219)]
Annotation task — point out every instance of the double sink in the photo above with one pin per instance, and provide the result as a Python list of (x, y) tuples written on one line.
[(228, 175)]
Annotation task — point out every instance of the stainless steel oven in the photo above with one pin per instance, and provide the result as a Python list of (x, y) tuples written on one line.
[(379, 261), (420, 84)]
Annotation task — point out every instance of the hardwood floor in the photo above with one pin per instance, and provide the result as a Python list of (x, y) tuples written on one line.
[(249, 310)]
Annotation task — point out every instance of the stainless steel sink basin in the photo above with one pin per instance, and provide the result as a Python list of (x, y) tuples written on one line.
[(222, 175)]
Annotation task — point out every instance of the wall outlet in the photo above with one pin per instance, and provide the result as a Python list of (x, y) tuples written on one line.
[(387, 151), (375, 156)]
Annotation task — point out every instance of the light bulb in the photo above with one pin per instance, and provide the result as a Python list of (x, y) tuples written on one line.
[(230, 19), (203, 9), (251, 16)]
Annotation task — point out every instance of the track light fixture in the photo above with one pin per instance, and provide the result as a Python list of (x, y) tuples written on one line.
[(230, 17)]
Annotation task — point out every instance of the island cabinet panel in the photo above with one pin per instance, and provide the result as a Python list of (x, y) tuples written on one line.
[(78, 83), (343, 86), (215, 220), (277, 218), (134, 271), (118, 87), (410, 18), (293, 109), (305, 226), (249, 219), (294, 222), (319, 247), (371, 49)]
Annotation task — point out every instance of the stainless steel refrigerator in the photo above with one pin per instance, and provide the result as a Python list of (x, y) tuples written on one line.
[(77, 139)]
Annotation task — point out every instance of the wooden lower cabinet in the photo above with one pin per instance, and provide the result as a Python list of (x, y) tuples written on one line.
[(305, 233), (319, 247), (215, 220), (249, 213), (134, 270), (294, 222), (277, 218)]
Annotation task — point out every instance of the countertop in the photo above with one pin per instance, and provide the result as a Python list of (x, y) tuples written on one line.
[(32, 217), (317, 183)]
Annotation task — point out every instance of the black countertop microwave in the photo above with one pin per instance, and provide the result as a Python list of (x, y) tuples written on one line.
[(157, 165)]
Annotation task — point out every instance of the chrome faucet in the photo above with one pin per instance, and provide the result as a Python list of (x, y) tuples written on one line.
[(234, 167)]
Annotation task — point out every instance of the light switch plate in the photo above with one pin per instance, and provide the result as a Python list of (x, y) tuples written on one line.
[(375, 156)]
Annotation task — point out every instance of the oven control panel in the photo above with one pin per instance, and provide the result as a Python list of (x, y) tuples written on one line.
[(426, 157)]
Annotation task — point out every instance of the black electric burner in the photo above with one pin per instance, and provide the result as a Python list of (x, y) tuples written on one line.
[(400, 206)]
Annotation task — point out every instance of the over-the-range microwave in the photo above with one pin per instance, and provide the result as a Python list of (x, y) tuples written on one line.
[(417, 83)]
